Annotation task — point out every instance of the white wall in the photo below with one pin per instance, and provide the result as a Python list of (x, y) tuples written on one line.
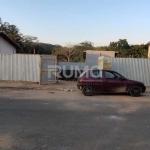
[(6, 47), (148, 51), (101, 53)]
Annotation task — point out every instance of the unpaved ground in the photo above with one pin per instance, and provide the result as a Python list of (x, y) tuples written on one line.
[(59, 86), (50, 119)]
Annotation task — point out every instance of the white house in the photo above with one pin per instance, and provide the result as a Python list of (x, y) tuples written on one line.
[(149, 50), (7, 46)]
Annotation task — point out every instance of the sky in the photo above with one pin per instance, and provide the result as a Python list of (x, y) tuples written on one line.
[(75, 21)]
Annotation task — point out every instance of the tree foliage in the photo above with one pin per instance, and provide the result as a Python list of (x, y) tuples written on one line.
[(126, 50), (67, 53), (80, 48), (31, 45)]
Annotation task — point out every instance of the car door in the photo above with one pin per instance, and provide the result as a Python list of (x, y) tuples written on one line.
[(95, 79), (114, 83)]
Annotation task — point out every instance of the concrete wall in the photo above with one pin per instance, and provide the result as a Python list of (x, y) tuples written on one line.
[(6, 47), (101, 53)]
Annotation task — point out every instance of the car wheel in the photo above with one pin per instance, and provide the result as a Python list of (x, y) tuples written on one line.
[(87, 90), (135, 91)]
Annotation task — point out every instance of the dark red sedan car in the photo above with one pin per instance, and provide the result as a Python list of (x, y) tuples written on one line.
[(108, 81)]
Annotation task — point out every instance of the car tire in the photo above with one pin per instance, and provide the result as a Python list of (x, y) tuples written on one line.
[(87, 90), (135, 91)]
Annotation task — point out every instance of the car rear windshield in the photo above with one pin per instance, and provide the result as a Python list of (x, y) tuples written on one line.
[(81, 75)]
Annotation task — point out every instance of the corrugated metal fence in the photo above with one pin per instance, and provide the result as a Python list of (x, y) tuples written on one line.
[(23, 67), (20, 67), (132, 68), (71, 65), (69, 70)]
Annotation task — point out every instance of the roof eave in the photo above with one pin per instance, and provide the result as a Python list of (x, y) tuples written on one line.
[(9, 40)]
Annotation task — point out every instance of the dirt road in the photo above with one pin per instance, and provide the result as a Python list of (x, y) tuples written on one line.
[(61, 120)]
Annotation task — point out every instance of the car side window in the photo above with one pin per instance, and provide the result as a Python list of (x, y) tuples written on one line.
[(118, 76), (109, 75), (95, 74), (112, 75)]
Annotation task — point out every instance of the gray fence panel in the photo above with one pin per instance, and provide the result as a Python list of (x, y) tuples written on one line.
[(71, 65), (20, 67), (133, 68), (48, 64), (6, 72), (48, 69), (92, 59)]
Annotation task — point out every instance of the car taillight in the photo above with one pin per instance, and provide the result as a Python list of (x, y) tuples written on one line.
[(80, 81)]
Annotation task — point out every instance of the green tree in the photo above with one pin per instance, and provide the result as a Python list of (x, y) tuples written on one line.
[(44, 48), (13, 33), (80, 48), (121, 46), (102, 48), (139, 51), (86, 45), (29, 44), (67, 53)]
